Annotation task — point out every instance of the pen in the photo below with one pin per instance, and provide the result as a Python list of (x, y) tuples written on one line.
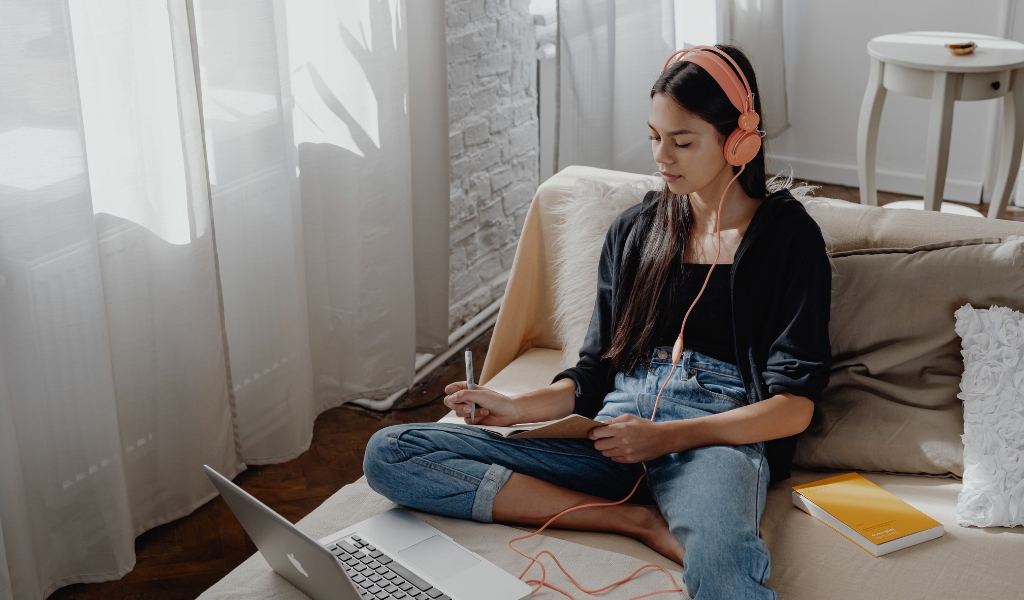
[(469, 382)]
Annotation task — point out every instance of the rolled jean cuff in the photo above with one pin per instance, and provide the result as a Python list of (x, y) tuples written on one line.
[(483, 503)]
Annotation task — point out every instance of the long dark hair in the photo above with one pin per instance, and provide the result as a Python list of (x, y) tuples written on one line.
[(654, 252)]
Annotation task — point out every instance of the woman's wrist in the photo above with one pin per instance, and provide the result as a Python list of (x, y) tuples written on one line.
[(519, 409), (777, 417), (548, 403), (680, 435)]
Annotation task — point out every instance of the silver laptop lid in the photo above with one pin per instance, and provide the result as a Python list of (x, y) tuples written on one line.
[(294, 555)]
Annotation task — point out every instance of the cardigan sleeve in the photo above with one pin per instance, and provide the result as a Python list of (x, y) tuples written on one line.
[(593, 375), (800, 358)]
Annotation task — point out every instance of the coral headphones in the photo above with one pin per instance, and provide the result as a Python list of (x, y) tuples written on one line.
[(744, 143)]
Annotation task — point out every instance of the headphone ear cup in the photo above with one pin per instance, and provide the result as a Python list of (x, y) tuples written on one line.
[(741, 147)]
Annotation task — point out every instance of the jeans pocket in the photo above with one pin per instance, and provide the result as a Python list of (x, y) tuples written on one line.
[(721, 386)]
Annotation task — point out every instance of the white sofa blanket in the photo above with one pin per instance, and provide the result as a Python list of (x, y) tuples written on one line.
[(355, 502)]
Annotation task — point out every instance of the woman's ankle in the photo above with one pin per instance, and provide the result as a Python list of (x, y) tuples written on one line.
[(635, 520)]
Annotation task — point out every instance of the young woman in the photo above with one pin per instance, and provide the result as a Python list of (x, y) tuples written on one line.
[(755, 360)]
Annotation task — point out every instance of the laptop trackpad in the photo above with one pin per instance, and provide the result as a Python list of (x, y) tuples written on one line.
[(438, 557)]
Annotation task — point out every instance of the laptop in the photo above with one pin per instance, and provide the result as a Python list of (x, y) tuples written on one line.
[(391, 555)]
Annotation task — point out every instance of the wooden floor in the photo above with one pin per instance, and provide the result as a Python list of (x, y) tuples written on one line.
[(182, 558)]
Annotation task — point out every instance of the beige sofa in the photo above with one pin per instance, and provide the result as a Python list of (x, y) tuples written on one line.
[(809, 560)]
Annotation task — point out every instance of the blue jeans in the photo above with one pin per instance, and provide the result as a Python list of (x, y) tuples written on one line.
[(711, 497)]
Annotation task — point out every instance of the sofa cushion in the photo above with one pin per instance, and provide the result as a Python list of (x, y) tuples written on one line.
[(849, 226), (891, 403)]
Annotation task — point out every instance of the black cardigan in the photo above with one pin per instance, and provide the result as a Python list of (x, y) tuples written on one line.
[(781, 282)]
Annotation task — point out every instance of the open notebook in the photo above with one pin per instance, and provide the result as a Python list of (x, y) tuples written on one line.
[(573, 426)]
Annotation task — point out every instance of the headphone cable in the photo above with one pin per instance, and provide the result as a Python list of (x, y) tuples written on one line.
[(677, 351)]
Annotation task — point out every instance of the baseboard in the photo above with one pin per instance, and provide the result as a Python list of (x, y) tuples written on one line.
[(901, 182)]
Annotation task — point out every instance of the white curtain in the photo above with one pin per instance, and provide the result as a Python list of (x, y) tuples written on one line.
[(610, 53), (205, 241), (756, 27)]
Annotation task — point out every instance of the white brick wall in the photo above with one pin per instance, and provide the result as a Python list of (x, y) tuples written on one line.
[(492, 111)]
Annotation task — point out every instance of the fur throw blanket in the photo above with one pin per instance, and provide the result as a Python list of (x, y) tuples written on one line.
[(584, 219)]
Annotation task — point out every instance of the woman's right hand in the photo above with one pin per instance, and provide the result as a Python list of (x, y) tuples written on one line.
[(492, 408)]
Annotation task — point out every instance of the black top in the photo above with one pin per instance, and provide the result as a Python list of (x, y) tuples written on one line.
[(709, 328), (781, 282)]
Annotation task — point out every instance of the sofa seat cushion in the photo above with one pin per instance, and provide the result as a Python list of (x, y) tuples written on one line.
[(531, 371), (810, 560), (255, 580)]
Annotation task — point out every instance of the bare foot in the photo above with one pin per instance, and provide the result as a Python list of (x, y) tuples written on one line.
[(656, 534)]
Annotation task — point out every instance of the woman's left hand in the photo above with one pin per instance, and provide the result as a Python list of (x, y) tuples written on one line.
[(629, 439)]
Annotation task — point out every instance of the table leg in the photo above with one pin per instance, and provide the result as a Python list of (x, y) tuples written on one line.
[(1013, 137), (940, 125), (867, 132)]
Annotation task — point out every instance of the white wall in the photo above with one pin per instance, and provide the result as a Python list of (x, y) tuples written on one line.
[(827, 70)]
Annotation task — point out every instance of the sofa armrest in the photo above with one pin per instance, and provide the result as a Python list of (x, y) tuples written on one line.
[(526, 318)]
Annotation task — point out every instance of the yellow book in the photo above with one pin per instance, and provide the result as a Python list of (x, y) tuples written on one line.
[(865, 514)]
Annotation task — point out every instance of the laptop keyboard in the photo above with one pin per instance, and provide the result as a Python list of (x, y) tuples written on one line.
[(377, 576)]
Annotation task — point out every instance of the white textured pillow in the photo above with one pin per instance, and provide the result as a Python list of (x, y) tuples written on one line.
[(992, 389), (584, 220)]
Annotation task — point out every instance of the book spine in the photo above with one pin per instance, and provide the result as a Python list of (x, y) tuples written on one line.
[(815, 511)]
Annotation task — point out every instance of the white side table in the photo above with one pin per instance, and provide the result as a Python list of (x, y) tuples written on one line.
[(918, 64)]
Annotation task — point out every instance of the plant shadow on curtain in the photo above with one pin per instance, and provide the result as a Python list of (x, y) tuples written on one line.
[(352, 131), (167, 303)]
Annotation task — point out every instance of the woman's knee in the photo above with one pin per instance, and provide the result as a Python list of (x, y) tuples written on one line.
[(382, 458), (388, 461), (415, 466)]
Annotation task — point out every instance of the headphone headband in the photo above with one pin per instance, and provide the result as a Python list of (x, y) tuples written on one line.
[(743, 144), (720, 66)]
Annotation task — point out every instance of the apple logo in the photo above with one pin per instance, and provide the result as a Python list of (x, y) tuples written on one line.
[(297, 564)]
